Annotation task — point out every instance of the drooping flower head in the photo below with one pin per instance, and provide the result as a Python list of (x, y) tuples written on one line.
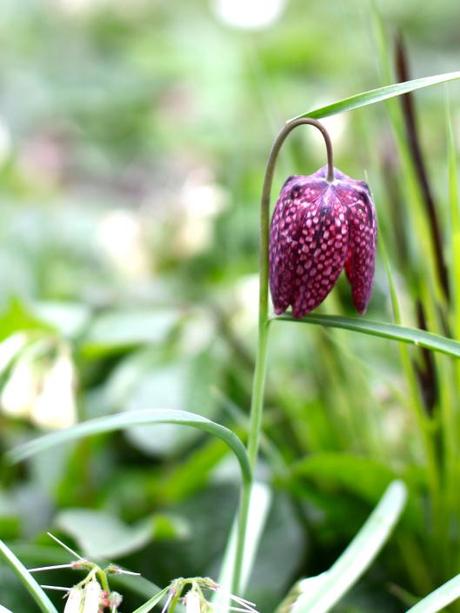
[(318, 228)]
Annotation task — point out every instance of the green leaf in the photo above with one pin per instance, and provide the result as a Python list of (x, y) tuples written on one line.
[(148, 606), (10, 525), (379, 94), (281, 552), (69, 318), (120, 329), (210, 513), (394, 332), (28, 581), (17, 317), (361, 475), (123, 421), (183, 383), (440, 598), (259, 506), (330, 586), (454, 204), (190, 476), (102, 535)]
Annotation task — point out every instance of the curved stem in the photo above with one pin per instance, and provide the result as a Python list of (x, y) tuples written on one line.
[(255, 424), (259, 374)]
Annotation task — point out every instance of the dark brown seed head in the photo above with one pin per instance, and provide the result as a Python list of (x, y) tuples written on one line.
[(317, 229)]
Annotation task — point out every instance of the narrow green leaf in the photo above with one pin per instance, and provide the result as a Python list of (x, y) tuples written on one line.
[(344, 573), (363, 476), (394, 332), (440, 598), (148, 606), (259, 506), (391, 282), (377, 95), (100, 534), (27, 579), (118, 329), (123, 421), (454, 202)]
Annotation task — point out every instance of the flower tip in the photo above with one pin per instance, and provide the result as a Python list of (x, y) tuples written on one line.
[(361, 304)]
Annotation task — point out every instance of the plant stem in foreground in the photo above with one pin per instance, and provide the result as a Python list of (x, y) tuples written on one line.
[(258, 388)]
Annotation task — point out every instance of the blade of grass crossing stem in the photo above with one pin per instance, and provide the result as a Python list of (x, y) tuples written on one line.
[(27, 579), (403, 334), (379, 94), (358, 555), (148, 606), (123, 421), (259, 506), (440, 598)]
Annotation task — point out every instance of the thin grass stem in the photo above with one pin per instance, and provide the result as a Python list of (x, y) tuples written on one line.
[(256, 414)]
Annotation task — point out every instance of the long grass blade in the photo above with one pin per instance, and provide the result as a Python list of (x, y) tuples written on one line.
[(333, 584), (259, 507), (123, 421), (27, 579), (148, 606), (440, 598), (452, 425), (394, 332), (378, 94), (454, 203)]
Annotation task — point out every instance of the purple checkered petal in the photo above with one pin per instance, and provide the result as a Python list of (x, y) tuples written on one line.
[(360, 264), (317, 229)]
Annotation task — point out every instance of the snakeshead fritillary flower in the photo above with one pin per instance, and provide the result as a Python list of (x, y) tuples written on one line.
[(318, 228)]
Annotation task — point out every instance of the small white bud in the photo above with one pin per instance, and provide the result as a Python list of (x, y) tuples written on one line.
[(74, 601), (93, 593)]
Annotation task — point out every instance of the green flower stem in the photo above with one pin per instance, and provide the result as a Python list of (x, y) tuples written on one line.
[(258, 388), (261, 355), (102, 576)]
